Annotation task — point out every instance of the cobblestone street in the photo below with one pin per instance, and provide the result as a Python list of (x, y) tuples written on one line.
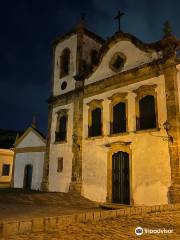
[(115, 229)]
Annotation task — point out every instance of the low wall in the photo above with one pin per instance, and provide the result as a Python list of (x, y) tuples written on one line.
[(43, 224)]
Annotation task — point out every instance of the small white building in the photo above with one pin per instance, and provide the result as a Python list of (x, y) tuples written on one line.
[(29, 159)]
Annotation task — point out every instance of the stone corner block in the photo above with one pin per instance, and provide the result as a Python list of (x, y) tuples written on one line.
[(25, 226), (10, 228), (38, 225)]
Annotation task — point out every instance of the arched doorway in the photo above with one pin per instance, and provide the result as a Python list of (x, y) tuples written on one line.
[(120, 178), (28, 170)]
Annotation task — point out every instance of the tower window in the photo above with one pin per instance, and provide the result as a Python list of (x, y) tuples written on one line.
[(62, 130), (65, 63)]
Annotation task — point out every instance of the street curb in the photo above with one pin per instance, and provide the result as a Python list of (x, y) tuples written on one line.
[(43, 224)]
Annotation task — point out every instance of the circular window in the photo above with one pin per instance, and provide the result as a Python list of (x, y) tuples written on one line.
[(63, 85), (117, 62)]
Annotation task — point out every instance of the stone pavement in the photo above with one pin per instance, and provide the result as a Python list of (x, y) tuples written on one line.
[(113, 229), (30, 205)]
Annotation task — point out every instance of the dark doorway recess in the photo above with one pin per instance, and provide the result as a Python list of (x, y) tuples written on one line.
[(28, 170), (120, 178)]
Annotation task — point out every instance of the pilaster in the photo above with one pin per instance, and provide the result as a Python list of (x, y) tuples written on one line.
[(45, 179), (173, 117), (76, 179)]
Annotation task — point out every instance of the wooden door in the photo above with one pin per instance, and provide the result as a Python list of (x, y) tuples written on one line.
[(120, 178)]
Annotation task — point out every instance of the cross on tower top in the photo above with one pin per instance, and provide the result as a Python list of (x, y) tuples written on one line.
[(118, 18)]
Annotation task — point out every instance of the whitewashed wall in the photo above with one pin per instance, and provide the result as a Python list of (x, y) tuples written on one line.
[(31, 140), (70, 43), (150, 156), (135, 57), (36, 159), (59, 181)]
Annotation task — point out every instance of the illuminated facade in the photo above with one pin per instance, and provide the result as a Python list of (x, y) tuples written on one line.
[(114, 118)]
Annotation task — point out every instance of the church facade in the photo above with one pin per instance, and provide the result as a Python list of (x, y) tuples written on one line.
[(114, 118)]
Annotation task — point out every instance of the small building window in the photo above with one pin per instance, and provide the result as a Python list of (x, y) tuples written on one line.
[(60, 164), (119, 118), (62, 130), (147, 114), (5, 169), (65, 63)]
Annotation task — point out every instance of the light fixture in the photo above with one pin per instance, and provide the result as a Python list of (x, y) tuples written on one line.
[(167, 127)]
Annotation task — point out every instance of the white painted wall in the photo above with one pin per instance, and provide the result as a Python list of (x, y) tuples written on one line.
[(31, 140), (135, 57), (36, 159), (59, 181), (70, 43), (150, 156)]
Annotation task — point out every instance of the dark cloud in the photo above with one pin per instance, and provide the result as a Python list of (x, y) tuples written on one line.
[(28, 28)]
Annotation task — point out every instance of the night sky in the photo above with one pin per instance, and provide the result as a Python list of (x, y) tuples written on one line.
[(28, 28)]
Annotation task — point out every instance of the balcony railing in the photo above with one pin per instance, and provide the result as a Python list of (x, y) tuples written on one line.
[(94, 131), (118, 127), (145, 123), (60, 136)]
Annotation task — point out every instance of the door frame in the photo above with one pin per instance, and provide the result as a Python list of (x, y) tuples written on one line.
[(114, 148)]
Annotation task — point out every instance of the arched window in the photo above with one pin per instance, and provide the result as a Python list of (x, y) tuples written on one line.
[(96, 126), (62, 129), (65, 63), (119, 118), (147, 113)]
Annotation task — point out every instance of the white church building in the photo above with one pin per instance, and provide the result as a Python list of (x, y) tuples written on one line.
[(114, 118)]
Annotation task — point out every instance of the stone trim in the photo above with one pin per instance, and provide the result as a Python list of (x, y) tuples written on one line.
[(45, 179), (76, 177), (114, 148), (30, 149), (138, 74), (44, 224), (173, 117)]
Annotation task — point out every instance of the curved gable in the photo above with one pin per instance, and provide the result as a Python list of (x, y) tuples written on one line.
[(135, 52)]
